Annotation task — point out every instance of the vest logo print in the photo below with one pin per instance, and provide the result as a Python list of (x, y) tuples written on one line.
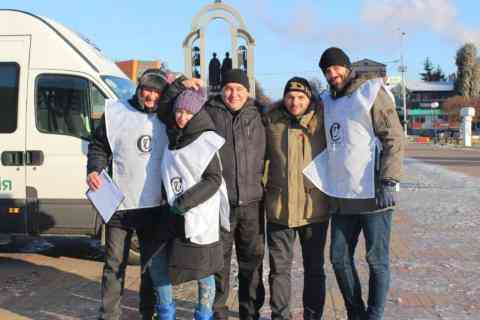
[(177, 185), (5, 185), (144, 143), (336, 133)]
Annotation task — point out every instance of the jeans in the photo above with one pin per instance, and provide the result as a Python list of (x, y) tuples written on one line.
[(117, 246), (281, 241), (163, 286), (247, 232), (345, 233)]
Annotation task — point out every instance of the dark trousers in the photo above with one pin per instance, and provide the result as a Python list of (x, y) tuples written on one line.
[(117, 246), (281, 241), (345, 233), (247, 232)]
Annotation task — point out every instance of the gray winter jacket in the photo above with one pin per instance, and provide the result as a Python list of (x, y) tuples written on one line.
[(243, 154)]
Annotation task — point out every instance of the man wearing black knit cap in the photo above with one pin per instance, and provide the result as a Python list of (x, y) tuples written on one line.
[(238, 120), (129, 143), (294, 207), (360, 171)]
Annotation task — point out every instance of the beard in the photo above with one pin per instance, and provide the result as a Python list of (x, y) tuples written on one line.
[(340, 86)]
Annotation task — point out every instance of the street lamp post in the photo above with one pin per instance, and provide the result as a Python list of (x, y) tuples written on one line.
[(403, 69), (433, 106)]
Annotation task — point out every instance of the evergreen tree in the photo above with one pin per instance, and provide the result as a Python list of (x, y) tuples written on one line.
[(438, 74), (476, 81), (428, 67)]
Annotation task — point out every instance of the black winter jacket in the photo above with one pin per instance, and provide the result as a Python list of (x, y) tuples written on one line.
[(243, 154), (99, 154), (212, 176)]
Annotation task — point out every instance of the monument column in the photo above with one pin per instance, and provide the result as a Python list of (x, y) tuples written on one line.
[(188, 61), (203, 60), (234, 37), (251, 67)]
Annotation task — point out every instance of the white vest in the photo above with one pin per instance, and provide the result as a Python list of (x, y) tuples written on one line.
[(182, 169), (137, 141), (346, 168)]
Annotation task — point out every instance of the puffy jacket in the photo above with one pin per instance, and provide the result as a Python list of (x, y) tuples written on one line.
[(292, 143), (389, 131), (243, 154)]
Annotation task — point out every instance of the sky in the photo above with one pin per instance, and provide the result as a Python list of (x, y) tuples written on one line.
[(290, 35)]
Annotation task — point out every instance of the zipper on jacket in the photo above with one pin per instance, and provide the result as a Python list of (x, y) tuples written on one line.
[(235, 162)]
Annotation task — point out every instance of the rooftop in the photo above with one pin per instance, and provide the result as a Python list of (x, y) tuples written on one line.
[(420, 85)]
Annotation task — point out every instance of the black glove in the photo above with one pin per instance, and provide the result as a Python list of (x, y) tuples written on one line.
[(386, 194), (176, 210)]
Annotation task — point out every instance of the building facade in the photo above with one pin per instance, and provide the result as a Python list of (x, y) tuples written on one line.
[(369, 67), (425, 105)]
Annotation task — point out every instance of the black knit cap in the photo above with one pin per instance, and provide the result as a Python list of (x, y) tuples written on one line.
[(236, 76), (153, 80), (334, 57), (298, 84)]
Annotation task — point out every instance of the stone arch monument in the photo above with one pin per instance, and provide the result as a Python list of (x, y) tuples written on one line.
[(238, 29)]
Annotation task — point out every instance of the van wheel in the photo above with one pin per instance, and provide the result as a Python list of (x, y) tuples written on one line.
[(134, 254)]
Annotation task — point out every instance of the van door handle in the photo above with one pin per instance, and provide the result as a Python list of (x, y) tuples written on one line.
[(34, 158), (12, 158)]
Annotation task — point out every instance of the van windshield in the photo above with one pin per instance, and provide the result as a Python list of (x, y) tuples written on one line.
[(123, 88)]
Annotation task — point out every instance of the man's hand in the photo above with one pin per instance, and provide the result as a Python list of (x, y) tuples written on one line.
[(193, 83), (177, 211), (93, 181), (386, 194)]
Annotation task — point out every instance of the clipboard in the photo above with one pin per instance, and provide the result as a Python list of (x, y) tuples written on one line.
[(107, 198)]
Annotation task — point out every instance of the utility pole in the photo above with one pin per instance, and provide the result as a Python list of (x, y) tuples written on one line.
[(403, 70)]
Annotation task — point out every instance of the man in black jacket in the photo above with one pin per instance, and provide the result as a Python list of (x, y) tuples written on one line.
[(238, 120), (154, 89)]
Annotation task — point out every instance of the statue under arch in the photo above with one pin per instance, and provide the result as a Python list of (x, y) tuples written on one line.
[(219, 10)]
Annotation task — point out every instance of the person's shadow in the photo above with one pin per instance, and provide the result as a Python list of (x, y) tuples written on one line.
[(35, 285)]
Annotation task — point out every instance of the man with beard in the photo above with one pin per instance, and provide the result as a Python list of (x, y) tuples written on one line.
[(360, 171), (129, 142)]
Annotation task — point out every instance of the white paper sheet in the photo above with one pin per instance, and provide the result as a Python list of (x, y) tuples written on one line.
[(107, 198)]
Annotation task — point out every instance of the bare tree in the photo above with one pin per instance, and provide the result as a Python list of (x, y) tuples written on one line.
[(263, 100), (317, 87), (453, 105), (466, 59)]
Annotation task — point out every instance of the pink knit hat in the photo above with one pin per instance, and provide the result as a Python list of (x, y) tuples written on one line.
[(190, 100)]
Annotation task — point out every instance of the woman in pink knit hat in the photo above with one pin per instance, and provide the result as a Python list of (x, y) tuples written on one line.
[(194, 187)]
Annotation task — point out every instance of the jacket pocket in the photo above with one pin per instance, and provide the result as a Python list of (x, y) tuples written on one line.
[(273, 203), (316, 206)]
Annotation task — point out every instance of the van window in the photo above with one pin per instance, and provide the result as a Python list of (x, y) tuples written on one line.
[(98, 105), (8, 97), (63, 105)]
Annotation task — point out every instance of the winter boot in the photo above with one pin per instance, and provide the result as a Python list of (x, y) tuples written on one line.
[(203, 315), (166, 311)]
